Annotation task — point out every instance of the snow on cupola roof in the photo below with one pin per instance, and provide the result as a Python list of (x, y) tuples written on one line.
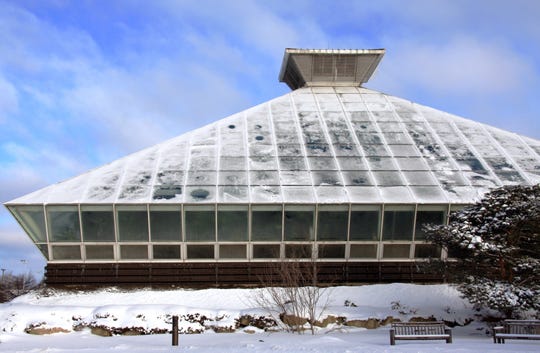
[(330, 67)]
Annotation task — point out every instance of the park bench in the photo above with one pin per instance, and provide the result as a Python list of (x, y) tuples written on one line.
[(433, 330), (517, 329)]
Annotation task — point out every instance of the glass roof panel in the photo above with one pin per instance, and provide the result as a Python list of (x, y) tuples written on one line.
[(266, 194), (264, 177), (200, 194), (306, 142), (233, 194), (297, 194), (329, 194), (364, 194), (396, 194)]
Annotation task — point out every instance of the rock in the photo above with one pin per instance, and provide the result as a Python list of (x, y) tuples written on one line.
[(101, 331), (422, 319), (251, 332), (327, 321), (369, 323), (45, 330), (292, 320), (132, 332), (389, 320)]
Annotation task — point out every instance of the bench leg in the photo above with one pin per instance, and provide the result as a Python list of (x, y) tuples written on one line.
[(392, 338)]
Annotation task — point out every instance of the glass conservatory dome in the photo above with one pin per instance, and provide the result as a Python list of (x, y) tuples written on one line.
[(352, 171)]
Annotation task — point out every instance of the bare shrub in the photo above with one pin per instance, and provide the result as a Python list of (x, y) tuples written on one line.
[(291, 292)]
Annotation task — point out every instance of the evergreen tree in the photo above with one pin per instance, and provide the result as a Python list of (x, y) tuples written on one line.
[(494, 250)]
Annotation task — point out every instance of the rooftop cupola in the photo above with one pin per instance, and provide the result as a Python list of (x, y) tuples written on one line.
[(328, 67)]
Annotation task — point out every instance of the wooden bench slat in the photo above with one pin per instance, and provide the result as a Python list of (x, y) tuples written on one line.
[(517, 329), (419, 331)]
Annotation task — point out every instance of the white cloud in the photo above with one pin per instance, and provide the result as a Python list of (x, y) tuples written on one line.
[(459, 67)]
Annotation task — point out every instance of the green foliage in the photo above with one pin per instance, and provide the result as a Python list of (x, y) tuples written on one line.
[(494, 247)]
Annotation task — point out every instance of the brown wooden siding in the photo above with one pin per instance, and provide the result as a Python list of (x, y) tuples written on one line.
[(228, 274)]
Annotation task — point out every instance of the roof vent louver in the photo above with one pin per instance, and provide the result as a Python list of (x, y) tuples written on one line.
[(312, 67)]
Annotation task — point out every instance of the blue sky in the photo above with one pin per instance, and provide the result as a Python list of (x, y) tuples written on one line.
[(85, 82)]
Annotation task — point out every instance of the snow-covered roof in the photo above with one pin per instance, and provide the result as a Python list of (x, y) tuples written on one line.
[(315, 145)]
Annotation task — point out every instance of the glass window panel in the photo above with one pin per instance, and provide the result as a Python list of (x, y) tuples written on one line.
[(266, 224), (364, 225), (427, 217), (133, 252), (200, 225), (69, 252), (99, 252), (162, 252), (232, 252), (132, 223), (331, 251), (97, 223), (166, 225), (424, 251), (363, 251), (332, 225), (298, 225), (398, 225), (200, 251), (266, 251), (232, 225), (297, 251), (44, 250), (32, 220), (396, 251), (64, 223)]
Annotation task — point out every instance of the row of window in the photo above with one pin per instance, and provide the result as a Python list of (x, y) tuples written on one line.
[(227, 223), (368, 251)]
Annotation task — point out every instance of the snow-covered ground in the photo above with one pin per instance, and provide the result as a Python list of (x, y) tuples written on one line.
[(152, 309)]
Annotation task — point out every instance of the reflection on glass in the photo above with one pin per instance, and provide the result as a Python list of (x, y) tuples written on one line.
[(424, 251), (133, 224), (396, 251), (200, 225), (232, 251), (64, 223), (166, 252), (266, 251), (298, 225), (68, 252), (328, 251), (32, 220), (424, 218), (364, 225), (134, 252), (297, 251), (97, 223), (99, 252), (200, 251), (165, 225), (266, 225), (398, 225), (332, 225), (363, 251), (232, 225)]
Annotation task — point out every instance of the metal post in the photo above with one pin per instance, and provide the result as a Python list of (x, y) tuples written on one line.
[(175, 330)]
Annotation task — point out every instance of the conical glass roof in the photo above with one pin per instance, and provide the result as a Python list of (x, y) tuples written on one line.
[(315, 145)]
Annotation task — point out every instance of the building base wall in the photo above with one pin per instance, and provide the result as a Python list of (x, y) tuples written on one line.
[(231, 274)]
